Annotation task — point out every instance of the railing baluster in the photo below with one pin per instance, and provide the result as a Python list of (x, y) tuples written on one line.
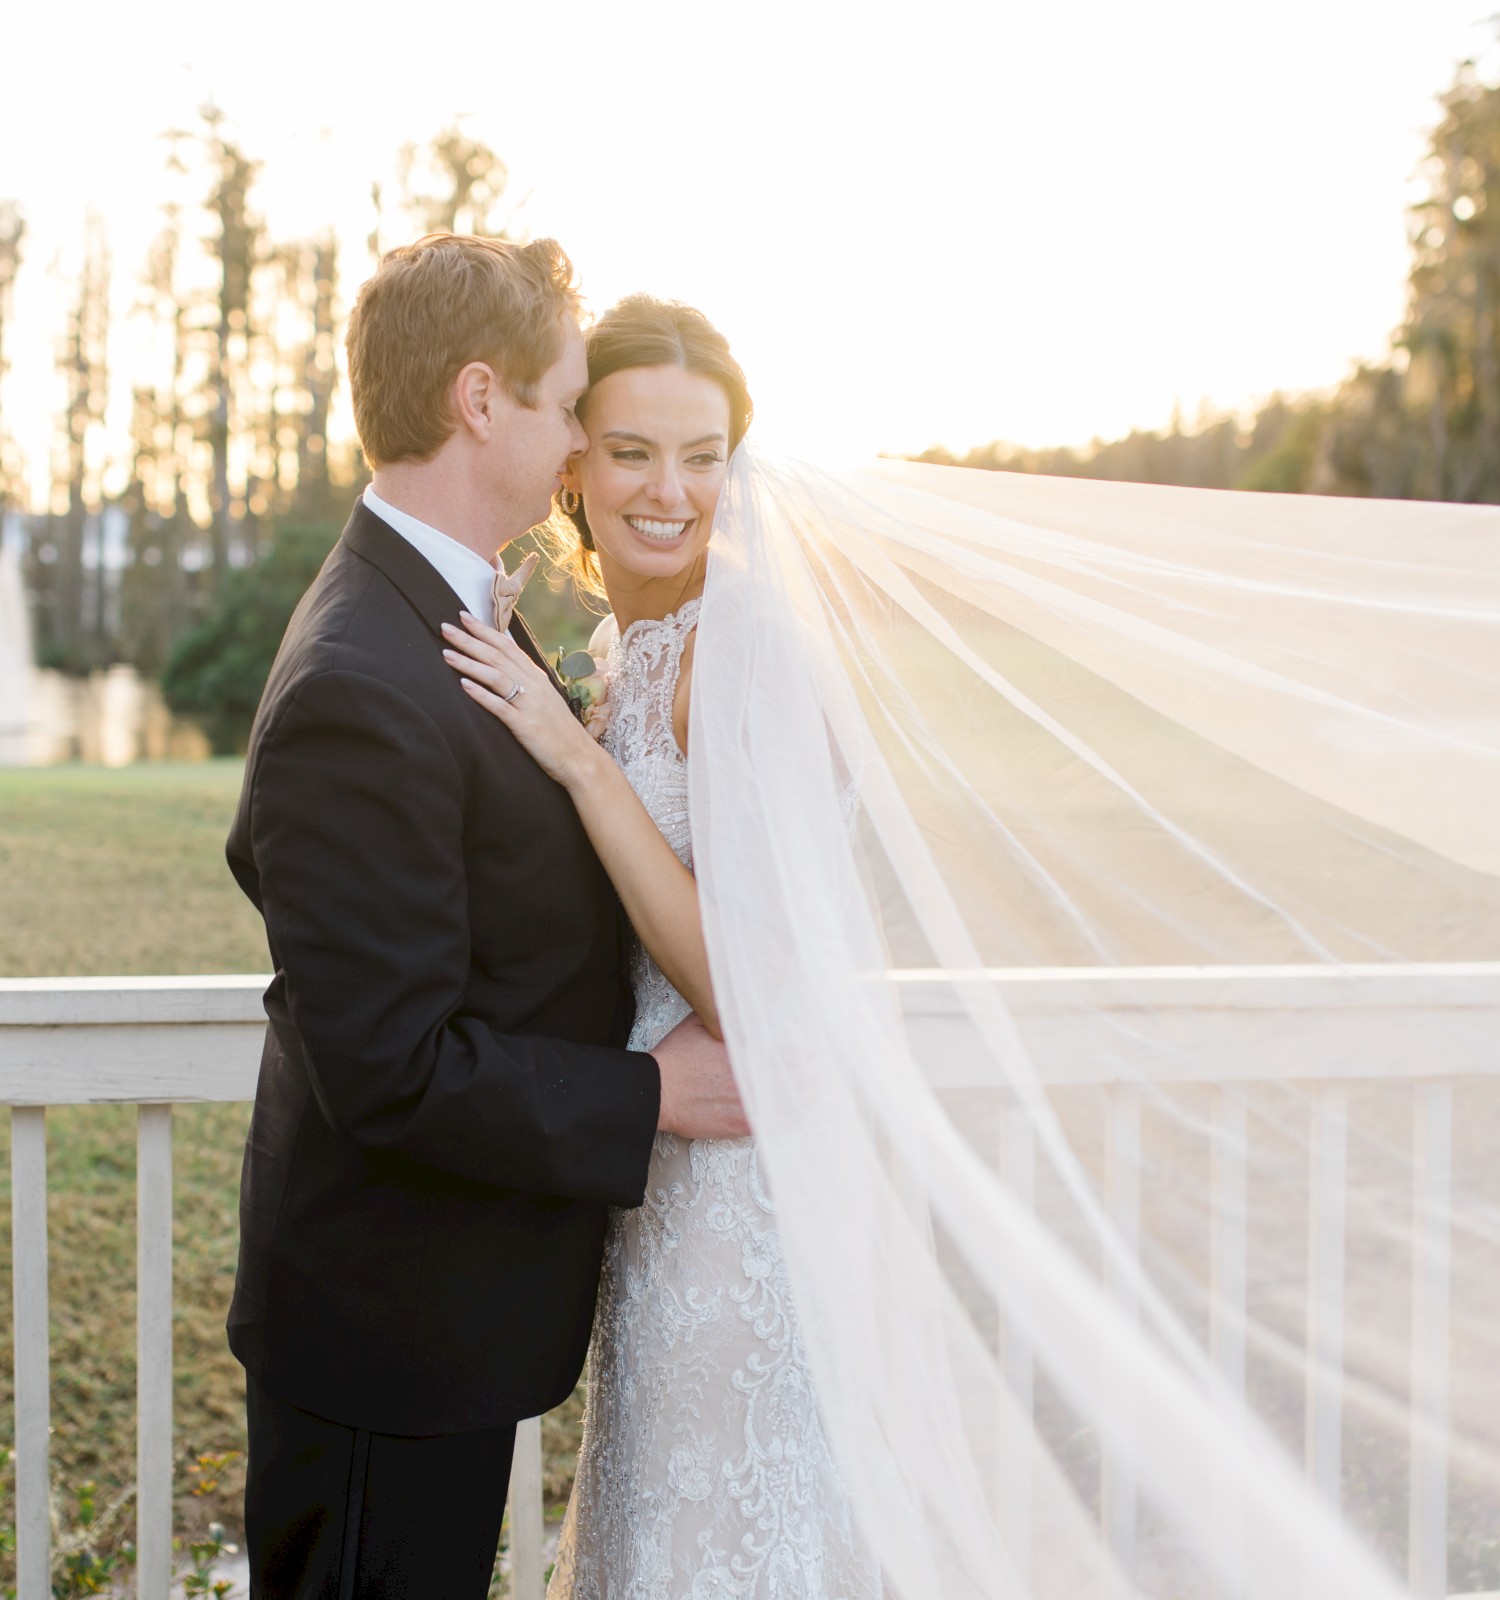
[(1431, 1267), (1227, 1289), (1018, 1167), (1327, 1180), (526, 1578), (1227, 1268), (153, 1500), (1122, 1193), (28, 1200)]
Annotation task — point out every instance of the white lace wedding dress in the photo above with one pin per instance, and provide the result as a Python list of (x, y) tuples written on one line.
[(705, 1473)]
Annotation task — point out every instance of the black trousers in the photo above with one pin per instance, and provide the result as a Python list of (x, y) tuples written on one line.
[(339, 1513)]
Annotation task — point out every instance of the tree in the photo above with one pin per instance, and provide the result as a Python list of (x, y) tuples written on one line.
[(453, 184), (1284, 445), (319, 377), (305, 373), (1452, 331), (1423, 424), (12, 231), (234, 244), (155, 600), (71, 589)]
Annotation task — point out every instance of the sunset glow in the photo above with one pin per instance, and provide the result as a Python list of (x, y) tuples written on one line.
[(952, 223)]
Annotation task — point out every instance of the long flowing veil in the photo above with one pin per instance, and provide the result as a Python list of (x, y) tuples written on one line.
[(1102, 890)]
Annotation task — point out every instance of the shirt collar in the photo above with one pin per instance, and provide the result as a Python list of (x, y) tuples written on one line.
[(467, 573)]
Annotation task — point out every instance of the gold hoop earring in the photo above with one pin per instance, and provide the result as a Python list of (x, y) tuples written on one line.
[(570, 500)]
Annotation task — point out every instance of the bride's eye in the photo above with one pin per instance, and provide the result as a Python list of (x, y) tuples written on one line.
[(628, 453), (705, 458)]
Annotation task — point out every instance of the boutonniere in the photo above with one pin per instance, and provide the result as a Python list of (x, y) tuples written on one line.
[(584, 683)]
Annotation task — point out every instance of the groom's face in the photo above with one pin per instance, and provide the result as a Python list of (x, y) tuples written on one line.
[(530, 446)]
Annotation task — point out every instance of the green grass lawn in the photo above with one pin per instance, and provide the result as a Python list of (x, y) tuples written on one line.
[(122, 872)]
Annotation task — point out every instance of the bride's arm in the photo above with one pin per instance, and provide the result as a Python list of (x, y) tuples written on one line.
[(659, 894)]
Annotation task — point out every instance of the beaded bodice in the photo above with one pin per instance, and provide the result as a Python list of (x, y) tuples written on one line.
[(645, 664)]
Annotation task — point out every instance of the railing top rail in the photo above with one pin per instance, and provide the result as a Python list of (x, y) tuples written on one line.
[(235, 997), (132, 1040), (85, 1002)]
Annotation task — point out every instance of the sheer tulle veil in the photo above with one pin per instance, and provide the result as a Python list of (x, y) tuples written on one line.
[(1102, 890)]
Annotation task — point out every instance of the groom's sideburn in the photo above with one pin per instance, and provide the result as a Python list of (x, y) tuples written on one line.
[(445, 1108)]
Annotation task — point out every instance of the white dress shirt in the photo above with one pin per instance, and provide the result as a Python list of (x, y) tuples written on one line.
[(468, 574)]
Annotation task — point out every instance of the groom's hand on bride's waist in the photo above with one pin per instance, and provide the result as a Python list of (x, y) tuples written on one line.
[(699, 1099)]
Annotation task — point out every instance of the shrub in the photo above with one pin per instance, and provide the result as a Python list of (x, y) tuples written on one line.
[(215, 672)]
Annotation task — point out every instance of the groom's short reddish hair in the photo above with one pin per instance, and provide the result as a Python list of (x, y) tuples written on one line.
[(433, 307)]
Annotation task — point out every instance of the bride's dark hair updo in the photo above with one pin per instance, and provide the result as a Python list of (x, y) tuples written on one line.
[(642, 331)]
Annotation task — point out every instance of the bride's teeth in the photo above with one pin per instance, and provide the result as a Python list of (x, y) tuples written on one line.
[(656, 530)]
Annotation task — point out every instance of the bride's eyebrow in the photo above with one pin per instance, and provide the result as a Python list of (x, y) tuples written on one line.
[(640, 438)]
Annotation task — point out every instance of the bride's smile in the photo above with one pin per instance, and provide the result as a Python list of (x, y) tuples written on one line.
[(659, 532)]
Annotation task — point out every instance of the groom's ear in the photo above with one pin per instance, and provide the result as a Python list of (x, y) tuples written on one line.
[(475, 393)]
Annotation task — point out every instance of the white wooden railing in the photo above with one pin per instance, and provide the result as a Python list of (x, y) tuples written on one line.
[(153, 1043), (156, 1042)]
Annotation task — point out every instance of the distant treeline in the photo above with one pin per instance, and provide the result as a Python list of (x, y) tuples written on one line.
[(1423, 425)]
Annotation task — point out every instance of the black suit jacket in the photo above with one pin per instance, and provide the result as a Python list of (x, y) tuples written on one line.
[(444, 1109)]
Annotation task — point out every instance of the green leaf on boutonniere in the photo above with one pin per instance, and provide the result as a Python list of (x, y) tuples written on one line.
[(572, 668)]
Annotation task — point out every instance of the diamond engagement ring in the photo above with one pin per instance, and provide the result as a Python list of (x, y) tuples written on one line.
[(520, 688)]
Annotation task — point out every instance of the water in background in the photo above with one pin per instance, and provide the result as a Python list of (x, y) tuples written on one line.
[(112, 718)]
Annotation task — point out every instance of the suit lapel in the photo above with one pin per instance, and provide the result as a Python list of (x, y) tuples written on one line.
[(424, 587), (527, 641)]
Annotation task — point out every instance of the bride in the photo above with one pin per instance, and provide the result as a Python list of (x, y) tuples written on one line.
[(705, 1468), (923, 786)]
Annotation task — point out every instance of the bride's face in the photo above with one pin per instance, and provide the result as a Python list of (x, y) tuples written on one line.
[(650, 478)]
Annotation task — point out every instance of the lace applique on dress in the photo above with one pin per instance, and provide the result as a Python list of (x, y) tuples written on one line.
[(644, 667), (705, 1473)]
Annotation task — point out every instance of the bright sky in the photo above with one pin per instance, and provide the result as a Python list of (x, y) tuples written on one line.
[(949, 221)]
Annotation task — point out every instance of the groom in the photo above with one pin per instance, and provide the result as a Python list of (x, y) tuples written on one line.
[(445, 1109)]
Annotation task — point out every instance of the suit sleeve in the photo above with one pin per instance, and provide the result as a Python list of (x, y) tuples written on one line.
[(357, 826)]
